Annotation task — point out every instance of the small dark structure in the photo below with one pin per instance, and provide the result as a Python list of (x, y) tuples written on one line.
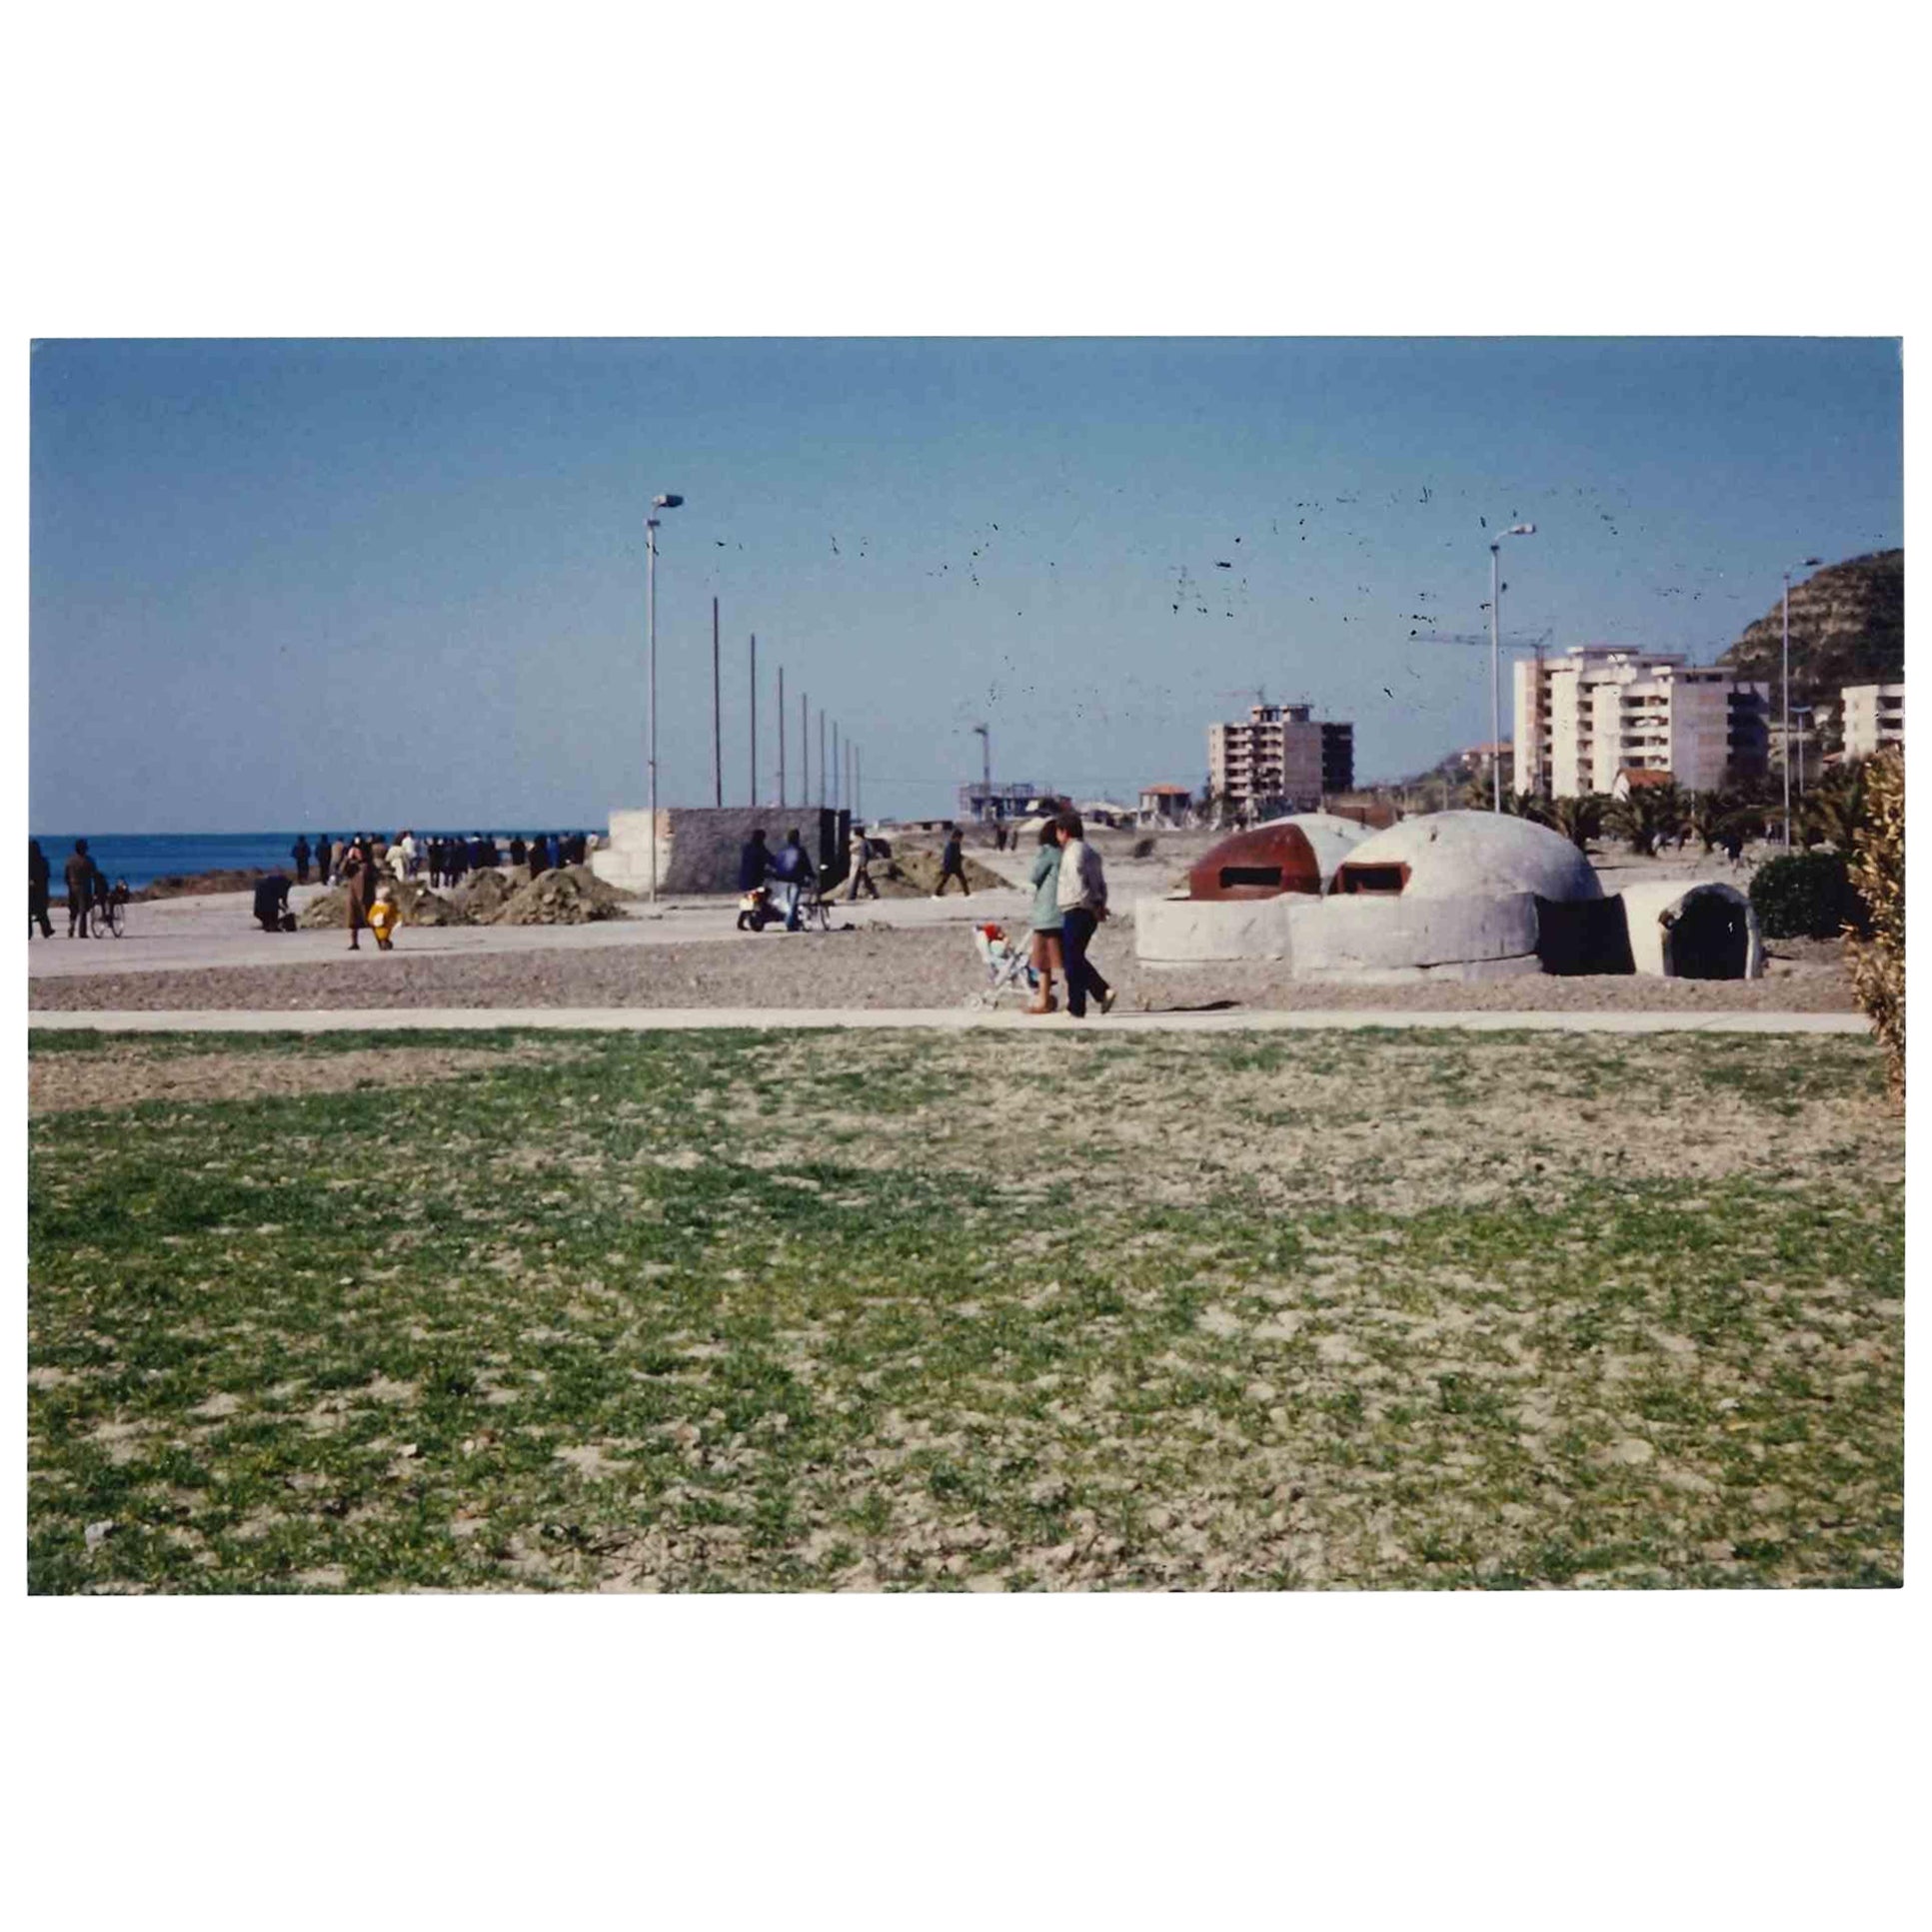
[(1261, 864)]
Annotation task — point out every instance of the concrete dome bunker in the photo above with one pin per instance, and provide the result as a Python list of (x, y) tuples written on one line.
[(1236, 905), (1463, 894)]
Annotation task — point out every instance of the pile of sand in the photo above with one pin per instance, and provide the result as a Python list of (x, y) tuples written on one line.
[(567, 896), (913, 872), (479, 896), (417, 903)]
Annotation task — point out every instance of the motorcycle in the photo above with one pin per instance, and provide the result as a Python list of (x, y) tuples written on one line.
[(756, 910)]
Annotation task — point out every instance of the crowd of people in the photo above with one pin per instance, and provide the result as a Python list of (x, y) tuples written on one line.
[(443, 858)]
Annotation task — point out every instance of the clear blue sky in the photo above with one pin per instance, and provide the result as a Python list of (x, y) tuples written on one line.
[(317, 583)]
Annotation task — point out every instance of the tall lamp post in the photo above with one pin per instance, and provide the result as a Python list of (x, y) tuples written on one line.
[(651, 631), (1810, 563), (1496, 658)]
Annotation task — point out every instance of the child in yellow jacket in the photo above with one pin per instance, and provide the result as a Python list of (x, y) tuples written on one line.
[(384, 916)]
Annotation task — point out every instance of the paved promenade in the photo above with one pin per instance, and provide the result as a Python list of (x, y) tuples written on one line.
[(645, 1019)]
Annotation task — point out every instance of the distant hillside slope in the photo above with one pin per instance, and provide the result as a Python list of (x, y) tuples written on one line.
[(1847, 628)]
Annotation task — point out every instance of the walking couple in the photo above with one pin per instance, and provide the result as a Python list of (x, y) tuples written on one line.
[(1069, 900)]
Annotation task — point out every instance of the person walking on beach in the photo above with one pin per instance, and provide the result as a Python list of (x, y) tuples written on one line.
[(1081, 892), (79, 873), (299, 852), (952, 864), (39, 887), (859, 865), (337, 854), (1045, 921)]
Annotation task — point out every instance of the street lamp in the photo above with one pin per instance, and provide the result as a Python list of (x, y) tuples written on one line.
[(651, 631), (1810, 563), (1495, 656)]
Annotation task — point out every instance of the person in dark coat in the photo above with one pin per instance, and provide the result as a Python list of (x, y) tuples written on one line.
[(753, 862), (359, 877), (272, 903), (454, 863), (39, 887), (794, 872), (539, 853), (518, 852), (952, 864), (79, 873), (299, 852)]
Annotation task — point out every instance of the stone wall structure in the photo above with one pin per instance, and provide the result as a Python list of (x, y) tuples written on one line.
[(699, 846)]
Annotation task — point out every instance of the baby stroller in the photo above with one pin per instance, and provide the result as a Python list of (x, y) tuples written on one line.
[(1005, 967)]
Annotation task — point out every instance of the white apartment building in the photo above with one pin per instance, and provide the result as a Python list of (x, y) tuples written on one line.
[(1599, 709), (1874, 717), (1280, 756)]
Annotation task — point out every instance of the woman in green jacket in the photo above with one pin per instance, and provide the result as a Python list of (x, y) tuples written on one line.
[(1045, 921)]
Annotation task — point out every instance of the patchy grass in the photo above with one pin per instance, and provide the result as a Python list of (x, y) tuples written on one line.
[(734, 1311)]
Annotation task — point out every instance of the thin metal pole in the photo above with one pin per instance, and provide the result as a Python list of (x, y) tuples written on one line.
[(753, 798), (651, 733), (780, 738), (838, 768), (805, 749), (854, 775), (716, 717), (1785, 761), (1495, 677), (821, 758)]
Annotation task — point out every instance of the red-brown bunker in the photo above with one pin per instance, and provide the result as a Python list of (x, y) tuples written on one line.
[(1256, 865)]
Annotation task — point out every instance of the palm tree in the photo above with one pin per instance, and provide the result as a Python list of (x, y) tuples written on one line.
[(1646, 814), (1579, 817), (1834, 811), (1526, 805), (1711, 815)]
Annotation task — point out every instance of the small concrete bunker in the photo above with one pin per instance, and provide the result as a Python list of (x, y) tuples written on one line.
[(1239, 893), (1452, 896), (1684, 929), (1466, 895)]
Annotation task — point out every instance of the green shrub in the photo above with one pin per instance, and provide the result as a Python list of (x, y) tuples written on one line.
[(1878, 873), (1804, 894)]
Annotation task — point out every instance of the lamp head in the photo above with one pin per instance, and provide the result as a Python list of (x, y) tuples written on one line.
[(667, 503)]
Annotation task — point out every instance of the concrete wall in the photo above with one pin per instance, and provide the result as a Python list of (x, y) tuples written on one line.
[(1359, 937), (1188, 932), (699, 847)]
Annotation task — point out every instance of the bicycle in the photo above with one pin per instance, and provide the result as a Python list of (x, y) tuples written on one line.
[(109, 911)]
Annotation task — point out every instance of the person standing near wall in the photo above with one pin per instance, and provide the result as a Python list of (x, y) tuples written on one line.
[(1081, 892), (859, 865)]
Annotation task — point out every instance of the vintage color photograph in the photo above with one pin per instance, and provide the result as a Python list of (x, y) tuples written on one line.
[(970, 964)]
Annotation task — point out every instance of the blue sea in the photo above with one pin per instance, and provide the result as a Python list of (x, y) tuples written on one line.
[(141, 859)]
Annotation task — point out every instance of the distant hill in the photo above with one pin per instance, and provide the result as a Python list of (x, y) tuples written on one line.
[(1847, 628)]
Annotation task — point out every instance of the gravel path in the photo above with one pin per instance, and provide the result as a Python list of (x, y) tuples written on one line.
[(885, 968)]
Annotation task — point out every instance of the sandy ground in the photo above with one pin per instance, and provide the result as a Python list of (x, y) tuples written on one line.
[(203, 952)]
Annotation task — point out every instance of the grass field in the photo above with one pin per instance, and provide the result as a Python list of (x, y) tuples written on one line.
[(727, 1312)]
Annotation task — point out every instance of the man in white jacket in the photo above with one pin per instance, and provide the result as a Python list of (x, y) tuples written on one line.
[(1083, 906)]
